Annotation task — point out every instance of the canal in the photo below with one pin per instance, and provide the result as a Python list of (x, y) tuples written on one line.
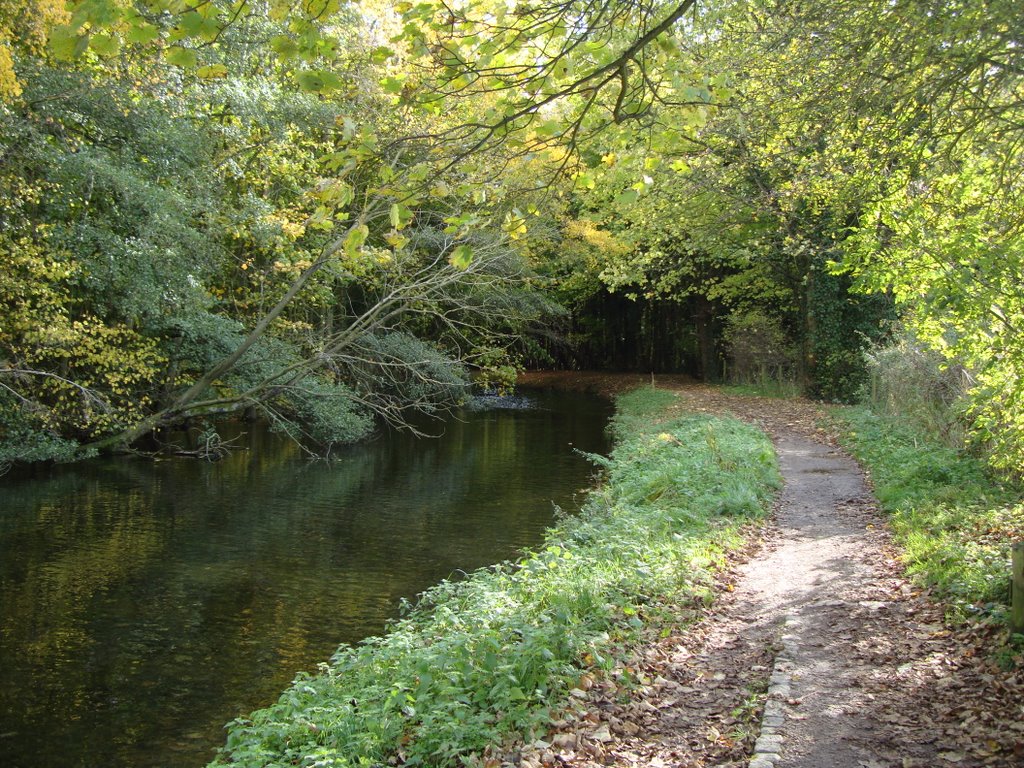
[(144, 604)]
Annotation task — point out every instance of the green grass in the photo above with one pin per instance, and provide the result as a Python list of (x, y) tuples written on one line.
[(496, 654), (954, 521)]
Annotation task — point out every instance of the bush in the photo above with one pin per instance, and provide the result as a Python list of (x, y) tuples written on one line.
[(843, 324), (760, 353), (952, 519), (396, 372), (25, 436), (919, 387)]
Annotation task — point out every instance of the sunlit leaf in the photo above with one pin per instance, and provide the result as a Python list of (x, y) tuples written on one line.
[(284, 46), (628, 197), (393, 84), (355, 240), (142, 33), (65, 43), (105, 45), (586, 181), (461, 257), (318, 80), (212, 71), (180, 57), (400, 216)]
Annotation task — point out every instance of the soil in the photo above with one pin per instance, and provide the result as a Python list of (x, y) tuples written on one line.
[(817, 653)]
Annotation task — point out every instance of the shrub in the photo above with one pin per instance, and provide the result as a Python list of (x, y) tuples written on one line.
[(920, 387), (760, 353), (952, 519)]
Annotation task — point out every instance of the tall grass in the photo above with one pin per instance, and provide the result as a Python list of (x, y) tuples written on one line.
[(476, 661), (917, 386), (954, 521)]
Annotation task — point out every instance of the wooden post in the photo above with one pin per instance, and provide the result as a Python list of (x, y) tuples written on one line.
[(1017, 589)]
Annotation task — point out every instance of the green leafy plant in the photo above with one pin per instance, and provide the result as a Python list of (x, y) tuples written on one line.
[(952, 518), (477, 661)]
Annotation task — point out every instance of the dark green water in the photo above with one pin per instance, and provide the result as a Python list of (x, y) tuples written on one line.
[(143, 605)]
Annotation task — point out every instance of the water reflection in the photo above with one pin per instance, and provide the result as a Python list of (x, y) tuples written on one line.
[(142, 605)]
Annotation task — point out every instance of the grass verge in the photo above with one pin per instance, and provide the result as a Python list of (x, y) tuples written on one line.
[(954, 522), (478, 661)]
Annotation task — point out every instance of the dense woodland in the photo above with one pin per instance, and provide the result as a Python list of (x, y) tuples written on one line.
[(326, 213)]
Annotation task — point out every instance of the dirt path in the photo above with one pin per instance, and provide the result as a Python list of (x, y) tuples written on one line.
[(818, 654), (818, 582)]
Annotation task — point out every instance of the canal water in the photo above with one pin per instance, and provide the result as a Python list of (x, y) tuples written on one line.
[(145, 604)]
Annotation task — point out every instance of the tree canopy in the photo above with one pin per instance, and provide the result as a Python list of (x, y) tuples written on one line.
[(322, 210)]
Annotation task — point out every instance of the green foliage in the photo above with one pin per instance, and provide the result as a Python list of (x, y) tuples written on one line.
[(308, 405), (123, 185), (495, 655), (661, 175), (25, 435), (953, 520), (157, 211), (320, 412), (843, 324), (759, 351), (911, 383), (395, 372), (897, 171)]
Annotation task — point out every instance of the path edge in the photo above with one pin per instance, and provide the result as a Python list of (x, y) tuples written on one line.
[(768, 747)]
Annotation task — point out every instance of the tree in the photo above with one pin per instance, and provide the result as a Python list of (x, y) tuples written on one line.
[(929, 163), (396, 234)]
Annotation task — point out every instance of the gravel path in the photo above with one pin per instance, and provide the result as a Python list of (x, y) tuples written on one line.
[(816, 581)]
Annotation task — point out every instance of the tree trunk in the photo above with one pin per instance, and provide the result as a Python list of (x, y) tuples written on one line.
[(704, 317)]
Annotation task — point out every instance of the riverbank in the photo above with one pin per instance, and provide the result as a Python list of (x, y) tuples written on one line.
[(670, 624), (480, 670), (869, 668)]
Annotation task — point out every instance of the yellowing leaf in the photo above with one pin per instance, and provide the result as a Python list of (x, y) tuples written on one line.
[(142, 33), (212, 70), (284, 46), (65, 43), (335, 191), (279, 9), (397, 241), (355, 239), (400, 216), (461, 257), (180, 57), (105, 45)]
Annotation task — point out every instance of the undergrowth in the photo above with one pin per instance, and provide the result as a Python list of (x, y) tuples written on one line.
[(477, 661), (953, 520)]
